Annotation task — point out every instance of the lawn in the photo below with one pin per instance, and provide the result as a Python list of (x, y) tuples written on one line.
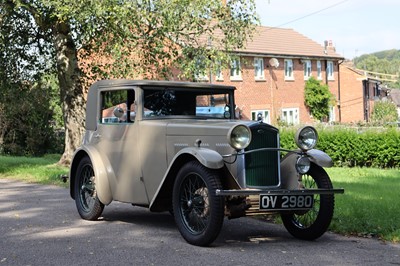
[(370, 206), (42, 170)]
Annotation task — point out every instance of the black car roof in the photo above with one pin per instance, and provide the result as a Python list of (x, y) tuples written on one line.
[(160, 83)]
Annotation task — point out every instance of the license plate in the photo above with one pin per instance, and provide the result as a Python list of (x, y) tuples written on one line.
[(286, 202)]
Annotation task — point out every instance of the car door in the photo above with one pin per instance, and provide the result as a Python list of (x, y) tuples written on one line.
[(117, 135)]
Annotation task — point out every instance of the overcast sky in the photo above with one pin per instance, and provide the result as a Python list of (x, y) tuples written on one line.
[(355, 27)]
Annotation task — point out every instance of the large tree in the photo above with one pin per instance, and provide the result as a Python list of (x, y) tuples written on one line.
[(87, 40)]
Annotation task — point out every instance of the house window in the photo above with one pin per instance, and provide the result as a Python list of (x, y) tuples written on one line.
[(319, 70), (307, 69), (200, 73), (329, 70), (259, 68), (290, 116), (262, 115), (332, 116), (235, 69), (218, 74), (289, 69)]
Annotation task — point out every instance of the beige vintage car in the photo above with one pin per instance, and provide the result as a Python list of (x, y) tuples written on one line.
[(178, 147)]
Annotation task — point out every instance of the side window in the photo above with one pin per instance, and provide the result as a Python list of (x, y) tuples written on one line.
[(117, 106)]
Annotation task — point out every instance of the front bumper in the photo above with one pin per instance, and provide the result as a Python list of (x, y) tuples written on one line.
[(277, 192)]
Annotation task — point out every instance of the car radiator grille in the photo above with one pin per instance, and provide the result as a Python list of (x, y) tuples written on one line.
[(262, 167)]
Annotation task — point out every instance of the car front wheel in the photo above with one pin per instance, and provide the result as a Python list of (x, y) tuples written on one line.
[(198, 211), (313, 223), (88, 204)]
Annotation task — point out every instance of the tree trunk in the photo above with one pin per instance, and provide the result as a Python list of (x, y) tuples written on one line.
[(71, 90)]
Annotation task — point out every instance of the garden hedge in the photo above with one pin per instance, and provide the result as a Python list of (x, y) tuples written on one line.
[(351, 147)]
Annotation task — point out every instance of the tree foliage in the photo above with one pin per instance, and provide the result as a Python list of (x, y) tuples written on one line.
[(27, 118), (318, 98), (82, 41)]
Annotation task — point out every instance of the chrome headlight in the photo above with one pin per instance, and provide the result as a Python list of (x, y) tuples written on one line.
[(239, 137), (303, 165), (306, 138)]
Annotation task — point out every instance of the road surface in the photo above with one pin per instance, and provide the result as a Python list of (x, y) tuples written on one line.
[(39, 225)]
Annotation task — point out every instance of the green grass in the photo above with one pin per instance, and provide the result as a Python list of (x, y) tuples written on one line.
[(370, 206), (42, 170)]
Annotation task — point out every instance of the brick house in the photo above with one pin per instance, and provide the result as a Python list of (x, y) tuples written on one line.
[(359, 91), (270, 75)]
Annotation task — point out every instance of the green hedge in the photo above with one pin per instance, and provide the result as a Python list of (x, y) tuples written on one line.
[(352, 147)]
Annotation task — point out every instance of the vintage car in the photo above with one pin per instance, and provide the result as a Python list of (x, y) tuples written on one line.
[(179, 147)]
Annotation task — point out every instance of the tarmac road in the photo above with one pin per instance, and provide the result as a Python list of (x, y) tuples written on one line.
[(39, 225)]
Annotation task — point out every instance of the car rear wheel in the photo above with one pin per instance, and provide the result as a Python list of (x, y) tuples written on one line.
[(198, 211), (88, 204), (313, 223)]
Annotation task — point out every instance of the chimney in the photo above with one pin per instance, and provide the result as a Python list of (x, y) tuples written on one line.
[(329, 46)]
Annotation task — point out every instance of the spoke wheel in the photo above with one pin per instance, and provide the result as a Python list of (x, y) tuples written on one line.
[(313, 223), (87, 202), (198, 212)]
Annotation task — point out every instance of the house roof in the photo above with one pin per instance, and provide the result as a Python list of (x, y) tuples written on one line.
[(395, 96), (284, 42)]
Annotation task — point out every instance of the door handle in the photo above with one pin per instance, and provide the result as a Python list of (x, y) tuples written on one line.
[(97, 135)]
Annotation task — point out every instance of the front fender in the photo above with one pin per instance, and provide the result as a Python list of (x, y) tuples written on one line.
[(163, 197), (319, 157), (289, 174), (208, 158), (101, 171)]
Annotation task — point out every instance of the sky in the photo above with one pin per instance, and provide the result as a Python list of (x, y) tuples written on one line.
[(355, 27)]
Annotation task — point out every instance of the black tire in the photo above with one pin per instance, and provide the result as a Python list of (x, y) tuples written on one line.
[(313, 223), (198, 212), (88, 204)]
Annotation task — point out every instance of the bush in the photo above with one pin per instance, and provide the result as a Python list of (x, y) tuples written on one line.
[(318, 99), (384, 113), (350, 147)]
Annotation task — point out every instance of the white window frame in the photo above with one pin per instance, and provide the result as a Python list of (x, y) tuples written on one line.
[(219, 76), (329, 70), (294, 119), (289, 69), (259, 68), (319, 70), (200, 76), (332, 116), (235, 70), (307, 69), (266, 117)]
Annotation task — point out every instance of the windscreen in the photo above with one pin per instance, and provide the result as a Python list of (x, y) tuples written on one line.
[(197, 103)]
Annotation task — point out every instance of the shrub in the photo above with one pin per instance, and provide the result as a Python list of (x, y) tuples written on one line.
[(318, 99), (351, 147), (384, 113)]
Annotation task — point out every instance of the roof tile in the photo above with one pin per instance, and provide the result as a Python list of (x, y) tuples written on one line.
[(282, 41)]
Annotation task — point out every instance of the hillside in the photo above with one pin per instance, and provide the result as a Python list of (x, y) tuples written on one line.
[(386, 62)]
